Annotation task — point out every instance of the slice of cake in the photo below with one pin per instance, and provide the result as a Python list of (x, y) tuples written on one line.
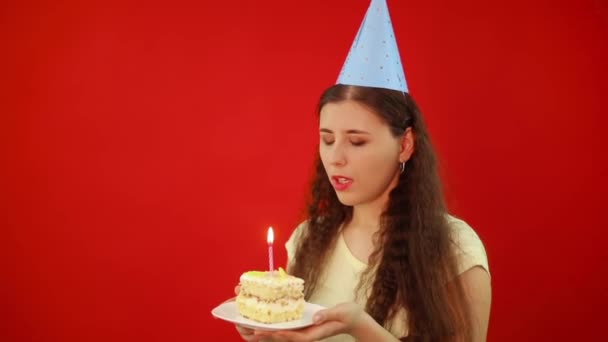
[(270, 297)]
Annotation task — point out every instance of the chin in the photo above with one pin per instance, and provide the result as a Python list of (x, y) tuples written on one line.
[(347, 199)]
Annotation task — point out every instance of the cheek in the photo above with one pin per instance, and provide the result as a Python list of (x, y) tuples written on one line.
[(323, 156), (374, 168), (375, 161)]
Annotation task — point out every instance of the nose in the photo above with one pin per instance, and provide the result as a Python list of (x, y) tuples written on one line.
[(337, 155)]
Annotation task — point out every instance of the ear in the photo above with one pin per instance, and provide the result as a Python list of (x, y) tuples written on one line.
[(407, 145)]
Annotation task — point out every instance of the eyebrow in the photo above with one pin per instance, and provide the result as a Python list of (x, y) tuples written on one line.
[(350, 131)]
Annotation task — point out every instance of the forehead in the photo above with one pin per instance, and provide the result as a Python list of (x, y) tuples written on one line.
[(349, 114)]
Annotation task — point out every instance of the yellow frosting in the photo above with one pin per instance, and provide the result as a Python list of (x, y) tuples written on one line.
[(282, 273)]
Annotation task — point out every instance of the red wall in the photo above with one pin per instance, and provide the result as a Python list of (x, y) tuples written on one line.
[(146, 149)]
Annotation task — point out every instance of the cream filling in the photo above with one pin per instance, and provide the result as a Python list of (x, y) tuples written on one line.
[(292, 304)]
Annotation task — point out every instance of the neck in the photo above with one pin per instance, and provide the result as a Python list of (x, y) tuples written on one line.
[(367, 216)]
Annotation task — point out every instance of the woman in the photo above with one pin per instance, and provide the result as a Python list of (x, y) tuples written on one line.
[(379, 248)]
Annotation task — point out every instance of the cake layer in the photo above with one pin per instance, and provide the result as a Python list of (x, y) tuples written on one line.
[(268, 293), (268, 286), (270, 312)]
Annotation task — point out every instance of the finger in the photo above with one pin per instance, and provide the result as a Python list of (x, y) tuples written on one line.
[(265, 336), (246, 334), (237, 289), (249, 338), (262, 335), (333, 314), (244, 330), (337, 313), (269, 337), (318, 332)]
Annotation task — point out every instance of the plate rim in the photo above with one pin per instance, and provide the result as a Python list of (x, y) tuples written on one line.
[(249, 323)]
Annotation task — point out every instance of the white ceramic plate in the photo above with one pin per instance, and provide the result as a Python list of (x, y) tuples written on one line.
[(228, 312)]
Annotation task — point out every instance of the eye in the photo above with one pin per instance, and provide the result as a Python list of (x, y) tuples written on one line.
[(327, 140), (358, 142)]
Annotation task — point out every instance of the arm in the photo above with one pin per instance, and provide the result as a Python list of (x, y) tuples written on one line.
[(370, 330), (350, 318), (478, 294), (346, 318)]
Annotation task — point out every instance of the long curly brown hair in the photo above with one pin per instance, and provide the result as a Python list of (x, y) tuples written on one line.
[(413, 265)]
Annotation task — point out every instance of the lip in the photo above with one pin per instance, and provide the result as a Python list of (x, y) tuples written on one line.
[(341, 186)]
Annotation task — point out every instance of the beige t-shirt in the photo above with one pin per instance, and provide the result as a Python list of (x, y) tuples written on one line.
[(341, 273)]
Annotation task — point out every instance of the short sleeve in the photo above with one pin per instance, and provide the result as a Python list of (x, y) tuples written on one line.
[(469, 248), (292, 243)]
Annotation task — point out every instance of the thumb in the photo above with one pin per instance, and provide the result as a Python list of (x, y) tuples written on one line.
[(333, 314), (342, 312), (318, 317)]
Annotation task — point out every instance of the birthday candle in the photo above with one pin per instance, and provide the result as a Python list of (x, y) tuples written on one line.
[(270, 240)]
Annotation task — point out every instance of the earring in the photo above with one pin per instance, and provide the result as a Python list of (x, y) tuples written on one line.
[(402, 167)]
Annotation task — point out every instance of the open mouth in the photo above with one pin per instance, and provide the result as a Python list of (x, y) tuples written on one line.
[(341, 183)]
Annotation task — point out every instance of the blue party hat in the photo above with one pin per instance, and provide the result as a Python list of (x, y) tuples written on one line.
[(373, 60)]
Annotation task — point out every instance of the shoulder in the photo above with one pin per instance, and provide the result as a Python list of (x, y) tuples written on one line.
[(298, 231), (468, 246), (294, 238)]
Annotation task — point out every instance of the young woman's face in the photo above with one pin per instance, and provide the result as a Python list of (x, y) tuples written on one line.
[(358, 151)]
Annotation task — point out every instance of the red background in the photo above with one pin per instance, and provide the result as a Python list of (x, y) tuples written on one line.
[(146, 147)]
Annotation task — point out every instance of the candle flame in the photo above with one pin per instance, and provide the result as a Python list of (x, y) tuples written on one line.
[(270, 236)]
